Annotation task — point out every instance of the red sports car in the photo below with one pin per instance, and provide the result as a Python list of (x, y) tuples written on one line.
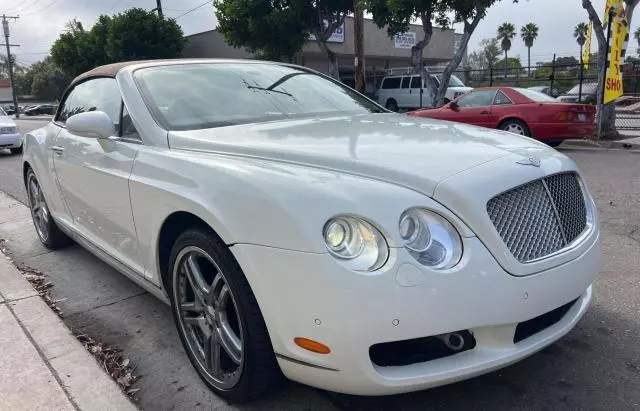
[(521, 111)]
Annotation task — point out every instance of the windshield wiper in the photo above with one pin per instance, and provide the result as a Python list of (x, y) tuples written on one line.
[(249, 86)]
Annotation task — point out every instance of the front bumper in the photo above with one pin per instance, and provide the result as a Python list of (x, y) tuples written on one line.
[(10, 140), (312, 296)]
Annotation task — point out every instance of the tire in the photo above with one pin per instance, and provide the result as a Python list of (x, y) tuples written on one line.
[(17, 150), (255, 371), (516, 127), (446, 101), (553, 143), (48, 231), (391, 105)]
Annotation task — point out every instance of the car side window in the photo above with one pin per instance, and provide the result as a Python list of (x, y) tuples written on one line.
[(127, 129), (478, 98), (405, 82), (96, 94), (415, 81), (501, 99), (391, 82)]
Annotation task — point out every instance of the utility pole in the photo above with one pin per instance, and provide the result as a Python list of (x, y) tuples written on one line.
[(5, 27), (358, 46), (159, 8)]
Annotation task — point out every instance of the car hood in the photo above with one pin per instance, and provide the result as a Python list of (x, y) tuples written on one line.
[(5, 121), (408, 151)]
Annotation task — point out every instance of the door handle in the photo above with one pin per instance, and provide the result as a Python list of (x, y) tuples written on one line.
[(484, 112), (58, 150)]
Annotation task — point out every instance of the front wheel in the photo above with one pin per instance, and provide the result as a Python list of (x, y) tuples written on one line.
[(48, 231), (218, 319), (516, 127), (391, 105)]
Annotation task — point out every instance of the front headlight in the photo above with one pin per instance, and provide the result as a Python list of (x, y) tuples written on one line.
[(356, 242), (430, 239)]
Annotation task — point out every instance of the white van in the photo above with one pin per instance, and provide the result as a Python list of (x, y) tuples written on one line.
[(403, 91)]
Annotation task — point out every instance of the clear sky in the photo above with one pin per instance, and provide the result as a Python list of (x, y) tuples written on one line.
[(42, 20)]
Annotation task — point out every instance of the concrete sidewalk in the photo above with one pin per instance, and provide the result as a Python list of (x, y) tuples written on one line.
[(42, 365)]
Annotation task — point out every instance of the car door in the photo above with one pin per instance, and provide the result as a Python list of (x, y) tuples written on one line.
[(93, 174), (404, 98), (414, 92), (475, 108), (502, 107)]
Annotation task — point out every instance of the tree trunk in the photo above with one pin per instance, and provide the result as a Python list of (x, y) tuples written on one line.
[(332, 59), (529, 65), (322, 34), (457, 58), (416, 51), (606, 116), (506, 61)]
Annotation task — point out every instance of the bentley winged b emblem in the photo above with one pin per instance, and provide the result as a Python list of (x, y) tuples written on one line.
[(530, 161)]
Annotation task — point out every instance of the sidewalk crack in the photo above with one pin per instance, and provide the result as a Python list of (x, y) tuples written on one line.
[(106, 305)]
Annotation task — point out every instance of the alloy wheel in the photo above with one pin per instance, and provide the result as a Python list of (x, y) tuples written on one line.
[(39, 210), (208, 317), (514, 128)]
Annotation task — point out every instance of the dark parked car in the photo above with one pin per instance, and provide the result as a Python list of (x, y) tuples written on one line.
[(588, 94), (41, 109), (546, 90)]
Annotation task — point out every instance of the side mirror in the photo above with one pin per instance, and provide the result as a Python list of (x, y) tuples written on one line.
[(96, 124), (453, 105)]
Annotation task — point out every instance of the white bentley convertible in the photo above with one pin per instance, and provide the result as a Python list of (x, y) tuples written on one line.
[(299, 229)]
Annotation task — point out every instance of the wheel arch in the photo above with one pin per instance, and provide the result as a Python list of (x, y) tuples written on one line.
[(512, 117)]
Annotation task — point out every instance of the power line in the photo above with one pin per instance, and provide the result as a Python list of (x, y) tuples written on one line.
[(114, 6), (26, 6), (193, 9), (42, 9)]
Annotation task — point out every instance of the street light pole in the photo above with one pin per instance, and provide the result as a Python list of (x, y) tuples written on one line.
[(5, 27)]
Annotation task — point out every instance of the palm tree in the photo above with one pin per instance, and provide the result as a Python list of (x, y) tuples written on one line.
[(529, 33), (580, 33), (506, 32)]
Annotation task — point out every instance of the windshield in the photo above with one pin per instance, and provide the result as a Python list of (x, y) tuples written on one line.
[(196, 96), (587, 88), (536, 96)]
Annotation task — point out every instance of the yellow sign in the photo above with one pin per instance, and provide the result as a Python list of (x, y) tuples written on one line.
[(586, 53), (618, 36)]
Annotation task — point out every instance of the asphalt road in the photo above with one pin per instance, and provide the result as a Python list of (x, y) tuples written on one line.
[(595, 367)]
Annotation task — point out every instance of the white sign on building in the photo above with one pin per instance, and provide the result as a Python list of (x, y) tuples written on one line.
[(405, 40), (336, 37)]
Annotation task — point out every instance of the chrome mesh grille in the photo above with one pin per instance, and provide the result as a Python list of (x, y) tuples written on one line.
[(540, 217)]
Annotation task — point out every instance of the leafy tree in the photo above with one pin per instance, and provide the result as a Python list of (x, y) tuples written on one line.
[(568, 61), (468, 13), (513, 63), (135, 34), (491, 51), (271, 29), (277, 28), (138, 34), (23, 82), (606, 116), (49, 81), (529, 34), (506, 32), (397, 15)]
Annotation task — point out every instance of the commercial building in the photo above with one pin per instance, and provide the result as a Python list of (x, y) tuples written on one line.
[(381, 51)]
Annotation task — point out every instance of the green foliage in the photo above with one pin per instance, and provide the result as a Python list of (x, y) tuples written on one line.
[(580, 33), (529, 34), (272, 29), (506, 33), (135, 34), (491, 51), (569, 61), (512, 63), (48, 81)]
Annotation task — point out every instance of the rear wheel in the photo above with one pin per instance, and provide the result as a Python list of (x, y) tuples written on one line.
[(516, 127), (391, 105), (218, 319), (553, 143), (46, 228)]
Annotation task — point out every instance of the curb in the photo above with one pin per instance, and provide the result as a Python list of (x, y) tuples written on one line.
[(81, 378)]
